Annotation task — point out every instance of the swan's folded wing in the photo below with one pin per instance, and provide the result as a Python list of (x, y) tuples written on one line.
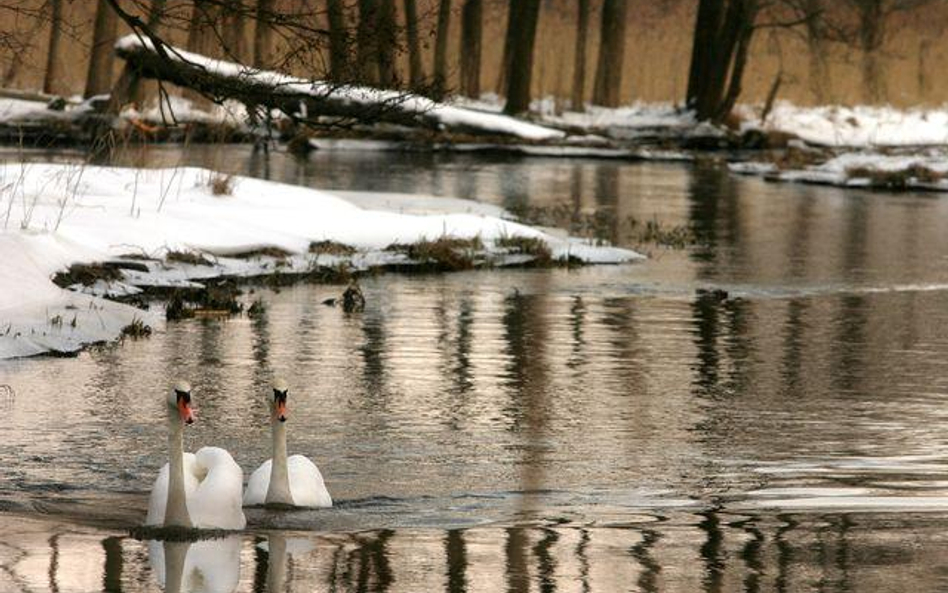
[(306, 483), (159, 491), (216, 503), (256, 492)]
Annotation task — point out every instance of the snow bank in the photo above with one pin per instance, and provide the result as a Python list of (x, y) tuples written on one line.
[(446, 115), (635, 115), (926, 170), (861, 126), (54, 215)]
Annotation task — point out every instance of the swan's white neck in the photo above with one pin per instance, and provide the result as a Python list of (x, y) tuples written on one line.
[(176, 511), (279, 489)]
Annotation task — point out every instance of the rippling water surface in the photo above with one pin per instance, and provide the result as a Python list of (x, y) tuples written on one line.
[(597, 429)]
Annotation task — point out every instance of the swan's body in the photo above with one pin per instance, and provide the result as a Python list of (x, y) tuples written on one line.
[(212, 485), (307, 488), (285, 480), (202, 490)]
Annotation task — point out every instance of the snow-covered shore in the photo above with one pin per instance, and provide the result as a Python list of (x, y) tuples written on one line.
[(54, 215)]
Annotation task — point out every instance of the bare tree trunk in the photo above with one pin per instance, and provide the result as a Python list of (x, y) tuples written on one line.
[(578, 97), (51, 79), (338, 40), (707, 23), (519, 76), (723, 33), (441, 49), (366, 65), (924, 48), (263, 34), (820, 84), (128, 88), (608, 84), (510, 39), (99, 77), (416, 74), (871, 38), (472, 34), (385, 32), (234, 32)]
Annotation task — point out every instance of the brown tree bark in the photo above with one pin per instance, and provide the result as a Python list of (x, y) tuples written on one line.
[(578, 96), (510, 38), (871, 38), (338, 40), (385, 31), (234, 32), (441, 49), (99, 76), (472, 34), (367, 71), (608, 83), (416, 74), (263, 34), (525, 15), (51, 78), (723, 33)]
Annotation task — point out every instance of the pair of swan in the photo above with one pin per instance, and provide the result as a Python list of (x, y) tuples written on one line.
[(205, 489)]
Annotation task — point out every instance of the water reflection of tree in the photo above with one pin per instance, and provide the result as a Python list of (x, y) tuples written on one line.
[(713, 196), (456, 556)]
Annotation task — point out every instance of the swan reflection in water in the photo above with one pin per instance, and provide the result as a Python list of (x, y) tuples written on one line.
[(213, 566), (209, 566)]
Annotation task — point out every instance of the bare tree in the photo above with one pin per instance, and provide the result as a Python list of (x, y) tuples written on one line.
[(53, 74), (99, 77), (524, 15), (578, 97), (338, 40), (441, 49), (416, 74), (722, 36), (234, 33), (816, 40), (385, 31), (263, 34), (472, 33), (367, 42), (608, 82)]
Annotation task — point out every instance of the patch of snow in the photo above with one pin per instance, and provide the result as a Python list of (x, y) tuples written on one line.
[(859, 126), (849, 169), (61, 214)]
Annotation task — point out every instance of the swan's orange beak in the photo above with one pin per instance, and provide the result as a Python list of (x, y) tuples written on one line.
[(185, 411), (281, 410)]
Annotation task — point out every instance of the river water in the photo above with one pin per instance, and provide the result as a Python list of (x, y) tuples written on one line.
[(594, 429)]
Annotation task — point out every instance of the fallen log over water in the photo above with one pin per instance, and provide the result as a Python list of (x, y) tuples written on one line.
[(307, 100)]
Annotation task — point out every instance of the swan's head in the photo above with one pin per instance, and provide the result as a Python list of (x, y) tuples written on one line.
[(278, 400), (179, 402)]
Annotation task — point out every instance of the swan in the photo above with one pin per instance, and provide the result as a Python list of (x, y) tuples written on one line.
[(195, 490), (294, 481)]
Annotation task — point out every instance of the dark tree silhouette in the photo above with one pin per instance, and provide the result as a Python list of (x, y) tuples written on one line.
[(524, 15), (611, 53), (578, 96), (472, 33), (99, 77)]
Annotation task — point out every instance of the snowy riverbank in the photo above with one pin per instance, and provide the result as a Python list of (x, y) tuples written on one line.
[(55, 215)]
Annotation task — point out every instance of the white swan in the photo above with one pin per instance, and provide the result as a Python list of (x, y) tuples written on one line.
[(201, 490), (292, 481)]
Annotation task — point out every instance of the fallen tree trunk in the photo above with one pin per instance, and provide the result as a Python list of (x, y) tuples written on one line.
[(307, 100)]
